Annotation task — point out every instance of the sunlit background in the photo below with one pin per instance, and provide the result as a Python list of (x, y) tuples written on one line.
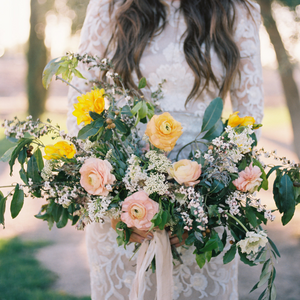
[(69, 244)]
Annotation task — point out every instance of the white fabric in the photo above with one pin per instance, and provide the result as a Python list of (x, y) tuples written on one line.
[(160, 248), (112, 272)]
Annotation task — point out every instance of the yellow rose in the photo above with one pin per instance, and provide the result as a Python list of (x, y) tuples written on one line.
[(186, 172), (247, 121), (93, 101), (163, 131), (234, 120), (59, 150)]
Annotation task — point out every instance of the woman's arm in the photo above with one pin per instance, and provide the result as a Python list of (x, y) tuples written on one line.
[(247, 89), (95, 35)]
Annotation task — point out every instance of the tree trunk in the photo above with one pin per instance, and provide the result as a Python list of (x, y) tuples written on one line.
[(285, 69), (36, 59)]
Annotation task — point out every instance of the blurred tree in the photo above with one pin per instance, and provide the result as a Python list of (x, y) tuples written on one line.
[(37, 54), (285, 65), (36, 58)]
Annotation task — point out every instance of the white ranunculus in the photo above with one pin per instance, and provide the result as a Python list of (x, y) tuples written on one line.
[(253, 241)]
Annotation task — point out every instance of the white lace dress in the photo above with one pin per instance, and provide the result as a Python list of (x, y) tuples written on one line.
[(111, 271)]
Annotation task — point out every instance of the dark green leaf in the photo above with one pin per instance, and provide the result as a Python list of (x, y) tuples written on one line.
[(264, 184), (22, 143), (126, 110), (23, 176), (262, 295), (287, 216), (142, 83), (121, 126), (244, 259), (2, 207), (94, 115), (212, 114), (286, 193), (32, 170), (22, 156), (272, 170), (90, 129), (254, 288), (17, 202), (39, 159), (107, 135), (7, 155), (63, 219), (251, 216), (230, 254)]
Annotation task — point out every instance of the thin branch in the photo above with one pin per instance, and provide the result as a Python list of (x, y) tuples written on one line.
[(68, 83)]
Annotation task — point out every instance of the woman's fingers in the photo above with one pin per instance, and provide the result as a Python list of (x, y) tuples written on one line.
[(174, 240), (136, 238)]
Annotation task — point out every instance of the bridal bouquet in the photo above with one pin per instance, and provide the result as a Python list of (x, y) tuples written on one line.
[(116, 169)]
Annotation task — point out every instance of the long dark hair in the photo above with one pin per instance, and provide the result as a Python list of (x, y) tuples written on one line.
[(209, 23)]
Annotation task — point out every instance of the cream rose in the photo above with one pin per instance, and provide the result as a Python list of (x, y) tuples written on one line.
[(253, 242), (138, 210), (95, 175), (249, 180), (186, 172)]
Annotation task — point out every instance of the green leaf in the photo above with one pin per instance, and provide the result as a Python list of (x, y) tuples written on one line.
[(126, 110), (272, 170), (49, 71), (286, 193), (39, 159), (22, 156), (274, 247), (265, 183), (273, 292), (23, 176), (200, 259), (63, 219), (136, 108), (264, 279), (142, 113), (107, 135), (287, 216), (121, 126), (22, 143), (78, 74), (244, 259), (212, 114), (230, 254), (251, 216), (191, 239), (2, 207), (208, 255), (17, 202), (142, 83), (90, 129), (7, 155), (32, 170), (215, 131)]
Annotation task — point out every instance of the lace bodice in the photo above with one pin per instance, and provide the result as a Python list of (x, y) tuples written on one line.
[(111, 271)]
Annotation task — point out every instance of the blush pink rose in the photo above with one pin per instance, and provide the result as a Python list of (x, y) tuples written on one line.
[(95, 175), (138, 210), (186, 172), (249, 179)]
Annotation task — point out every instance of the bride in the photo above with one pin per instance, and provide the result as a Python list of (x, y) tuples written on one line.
[(204, 49)]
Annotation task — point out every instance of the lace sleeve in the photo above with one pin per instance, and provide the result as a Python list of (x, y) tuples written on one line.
[(95, 35), (247, 89)]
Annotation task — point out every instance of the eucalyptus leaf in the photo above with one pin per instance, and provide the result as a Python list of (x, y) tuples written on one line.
[(274, 247), (212, 114), (264, 279), (17, 202), (215, 131), (32, 170)]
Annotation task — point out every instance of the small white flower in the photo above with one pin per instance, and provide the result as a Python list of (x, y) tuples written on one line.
[(30, 182)]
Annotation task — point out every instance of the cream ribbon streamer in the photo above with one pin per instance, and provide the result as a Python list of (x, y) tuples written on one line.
[(159, 247)]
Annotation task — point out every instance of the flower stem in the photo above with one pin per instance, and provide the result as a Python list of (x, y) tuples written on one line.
[(68, 83), (237, 220)]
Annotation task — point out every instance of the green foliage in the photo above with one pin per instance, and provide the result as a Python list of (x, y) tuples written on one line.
[(17, 202), (22, 277), (212, 114)]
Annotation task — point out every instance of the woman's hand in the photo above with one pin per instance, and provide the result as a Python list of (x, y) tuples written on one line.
[(174, 240), (137, 236)]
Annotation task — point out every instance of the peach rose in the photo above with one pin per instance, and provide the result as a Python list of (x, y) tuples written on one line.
[(163, 131), (186, 172), (138, 210), (95, 175), (249, 179)]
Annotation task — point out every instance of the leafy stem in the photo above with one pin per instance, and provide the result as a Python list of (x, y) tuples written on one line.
[(68, 83), (237, 220)]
